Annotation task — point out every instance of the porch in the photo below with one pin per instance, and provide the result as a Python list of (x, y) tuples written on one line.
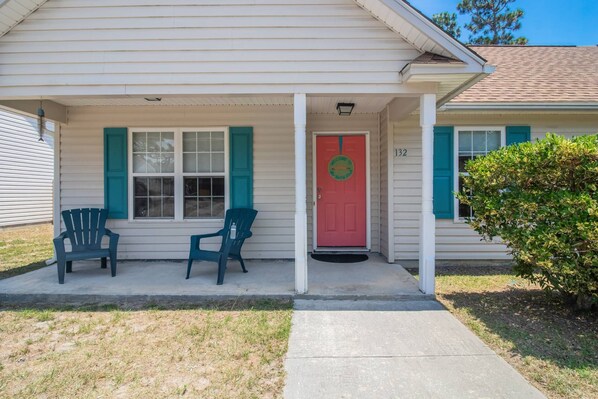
[(164, 282)]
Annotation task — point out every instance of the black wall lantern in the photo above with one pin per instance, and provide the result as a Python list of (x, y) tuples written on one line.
[(41, 124), (345, 109)]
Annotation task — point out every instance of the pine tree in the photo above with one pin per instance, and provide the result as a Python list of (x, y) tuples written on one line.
[(492, 21), (448, 22)]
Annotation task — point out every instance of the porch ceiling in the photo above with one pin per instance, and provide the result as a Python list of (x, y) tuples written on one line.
[(315, 104)]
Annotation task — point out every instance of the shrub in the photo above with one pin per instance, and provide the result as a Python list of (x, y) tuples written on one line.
[(541, 199)]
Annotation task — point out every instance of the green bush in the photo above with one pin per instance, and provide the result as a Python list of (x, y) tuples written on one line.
[(541, 199)]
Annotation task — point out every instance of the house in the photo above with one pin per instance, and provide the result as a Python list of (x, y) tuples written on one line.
[(26, 171), (319, 115)]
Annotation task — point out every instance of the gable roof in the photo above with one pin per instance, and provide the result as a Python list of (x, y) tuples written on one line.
[(13, 12), (536, 75)]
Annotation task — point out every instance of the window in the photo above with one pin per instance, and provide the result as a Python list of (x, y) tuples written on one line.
[(178, 173), (471, 143)]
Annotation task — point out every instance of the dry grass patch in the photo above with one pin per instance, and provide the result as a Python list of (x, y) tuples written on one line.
[(222, 352), (24, 249), (552, 345)]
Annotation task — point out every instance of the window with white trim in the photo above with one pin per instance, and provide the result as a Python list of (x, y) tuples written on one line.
[(178, 173), (471, 143)]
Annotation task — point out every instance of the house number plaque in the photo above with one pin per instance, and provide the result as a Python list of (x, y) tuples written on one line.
[(400, 152)]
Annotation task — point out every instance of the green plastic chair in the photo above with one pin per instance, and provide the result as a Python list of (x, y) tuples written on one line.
[(85, 229), (231, 247)]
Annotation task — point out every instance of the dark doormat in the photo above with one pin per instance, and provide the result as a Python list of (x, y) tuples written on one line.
[(340, 258)]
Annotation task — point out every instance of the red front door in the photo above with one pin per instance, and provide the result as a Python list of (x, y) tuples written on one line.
[(341, 191)]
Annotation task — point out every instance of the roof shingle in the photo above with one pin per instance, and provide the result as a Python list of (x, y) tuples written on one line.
[(528, 74)]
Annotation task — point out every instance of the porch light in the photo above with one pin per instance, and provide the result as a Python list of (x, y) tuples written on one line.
[(153, 99), (345, 109)]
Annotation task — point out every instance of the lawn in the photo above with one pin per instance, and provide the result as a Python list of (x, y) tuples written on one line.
[(24, 249), (552, 345), (224, 350)]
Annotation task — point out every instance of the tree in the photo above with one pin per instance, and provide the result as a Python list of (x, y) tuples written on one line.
[(541, 199), (448, 22), (492, 21)]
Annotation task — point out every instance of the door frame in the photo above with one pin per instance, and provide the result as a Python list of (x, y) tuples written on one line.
[(368, 191)]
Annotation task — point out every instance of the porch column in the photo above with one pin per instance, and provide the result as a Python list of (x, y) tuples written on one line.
[(427, 221), (300, 195)]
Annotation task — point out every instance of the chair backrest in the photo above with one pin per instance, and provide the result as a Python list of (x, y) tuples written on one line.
[(85, 227), (243, 218)]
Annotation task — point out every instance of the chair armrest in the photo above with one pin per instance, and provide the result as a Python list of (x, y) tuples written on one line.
[(59, 244), (195, 239), (113, 239)]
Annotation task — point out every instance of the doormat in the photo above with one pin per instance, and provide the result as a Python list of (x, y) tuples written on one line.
[(340, 258)]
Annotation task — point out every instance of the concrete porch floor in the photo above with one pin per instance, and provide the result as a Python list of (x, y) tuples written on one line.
[(165, 281)]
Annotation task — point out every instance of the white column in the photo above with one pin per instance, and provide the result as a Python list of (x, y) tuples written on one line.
[(427, 221), (300, 195)]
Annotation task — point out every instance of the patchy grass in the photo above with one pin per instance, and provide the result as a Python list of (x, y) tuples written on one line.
[(552, 345), (222, 351), (24, 249)]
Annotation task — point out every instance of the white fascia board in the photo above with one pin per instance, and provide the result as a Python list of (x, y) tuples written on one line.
[(556, 106), (422, 70), (426, 27)]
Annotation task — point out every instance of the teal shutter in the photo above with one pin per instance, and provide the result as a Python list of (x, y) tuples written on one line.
[(443, 172), (518, 134), (241, 167), (115, 172)]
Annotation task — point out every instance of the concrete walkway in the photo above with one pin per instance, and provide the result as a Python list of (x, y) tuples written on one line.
[(398, 349)]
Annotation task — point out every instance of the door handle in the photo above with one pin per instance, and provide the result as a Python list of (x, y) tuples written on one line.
[(319, 191)]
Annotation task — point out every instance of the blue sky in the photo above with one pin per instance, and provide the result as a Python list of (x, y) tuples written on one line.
[(546, 21)]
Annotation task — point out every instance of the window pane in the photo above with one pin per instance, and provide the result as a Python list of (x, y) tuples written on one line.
[(204, 187), (204, 208), (153, 142), (155, 187), (168, 207), (153, 163), (218, 207), (139, 142), (168, 187), (464, 211), (464, 141), (140, 187), (167, 142), (217, 162), (218, 187), (203, 163), (189, 142), (191, 207), (167, 162), (479, 141), (155, 207), (189, 163), (217, 141), (493, 140), (203, 141), (191, 187), (141, 207), (139, 163), (462, 161)]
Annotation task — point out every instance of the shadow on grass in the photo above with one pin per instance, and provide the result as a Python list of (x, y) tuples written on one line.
[(241, 304), (536, 323), (461, 270), (22, 269)]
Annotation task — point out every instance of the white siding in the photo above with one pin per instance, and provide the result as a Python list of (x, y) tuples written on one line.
[(353, 123), (136, 47), (274, 186), (458, 240), (26, 172)]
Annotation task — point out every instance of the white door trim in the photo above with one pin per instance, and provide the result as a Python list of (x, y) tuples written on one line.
[(368, 191)]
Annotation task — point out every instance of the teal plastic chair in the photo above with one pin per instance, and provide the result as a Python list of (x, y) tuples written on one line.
[(85, 229), (230, 248)]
